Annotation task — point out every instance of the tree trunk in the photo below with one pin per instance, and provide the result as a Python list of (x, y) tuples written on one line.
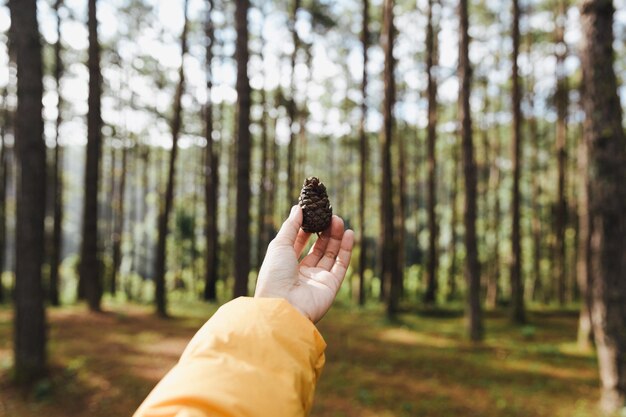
[(143, 190), (517, 286), (57, 187), (454, 191), (433, 230), (292, 192), (3, 187), (118, 221), (491, 298), (606, 143), (242, 220), (390, 273), (30, 320), (262, 217), (211, 172), (400, 218), (536, 229), (90, 268), (585, 334), (364, 151), (472, 267), (561, 142), (164, 216)]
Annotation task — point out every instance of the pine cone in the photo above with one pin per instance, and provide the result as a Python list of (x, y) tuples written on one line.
[(315, 205)]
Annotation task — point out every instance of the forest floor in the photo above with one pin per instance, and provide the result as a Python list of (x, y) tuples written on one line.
[(421, 365)]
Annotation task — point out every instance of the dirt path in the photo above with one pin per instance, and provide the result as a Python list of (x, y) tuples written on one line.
[(105, 364)]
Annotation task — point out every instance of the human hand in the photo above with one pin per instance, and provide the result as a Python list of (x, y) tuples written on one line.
[(311, 284)]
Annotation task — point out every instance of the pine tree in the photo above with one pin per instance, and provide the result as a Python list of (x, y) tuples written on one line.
[(30, 320), (606, 147), (364, 151), (166, 209), (90, 270), (390, 273), (472, 267), (433, 230), (517, 286), (242, 219)]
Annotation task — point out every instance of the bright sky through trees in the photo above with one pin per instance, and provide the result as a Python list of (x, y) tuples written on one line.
[(333, 54)]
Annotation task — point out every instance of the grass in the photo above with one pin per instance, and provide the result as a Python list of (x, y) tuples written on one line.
[(421, 365)]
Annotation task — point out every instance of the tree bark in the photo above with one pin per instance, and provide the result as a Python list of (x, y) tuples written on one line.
[(454, 191), (472, 267), (263, 222), (211, 172), (30, 320), (242, 220), (164, 216), (433, 230), (585, 333), (3, 187), (561, 98), (118, 221), (292, 110), (517, 286), (606, 143), (364, 151), (90, 270), (390, 272), (57, 187), (537, 191), (491, 299)]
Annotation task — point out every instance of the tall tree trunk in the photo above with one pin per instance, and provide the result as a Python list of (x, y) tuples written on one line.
[(400, 217), (262, 217), (491, 298), (561, 143), (242, 220), (143, 190), (3, 187), (517, 285), (118, 221), (390, 273), (90, 268), (57, 188), (433, 230), (30, 320), (537, 191), (585, 333), (211, 172), (472, 267), (454, 191), (606, 142), (164, 216), (292, 109), (110, 211), (364, 152)]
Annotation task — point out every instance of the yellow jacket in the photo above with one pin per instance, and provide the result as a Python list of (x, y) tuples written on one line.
[(254, 357)]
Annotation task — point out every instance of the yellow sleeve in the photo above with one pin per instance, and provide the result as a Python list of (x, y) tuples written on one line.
[(254, 357)]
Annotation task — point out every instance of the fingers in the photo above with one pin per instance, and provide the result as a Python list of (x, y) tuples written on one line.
[(327, 260), (317, 250), (343, 257), (288, 232), (301, 240)]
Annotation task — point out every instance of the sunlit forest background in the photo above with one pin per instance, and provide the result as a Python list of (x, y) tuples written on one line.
[(469, 144)]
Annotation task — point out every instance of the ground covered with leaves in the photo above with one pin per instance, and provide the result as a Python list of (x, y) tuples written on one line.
[(421, 365)]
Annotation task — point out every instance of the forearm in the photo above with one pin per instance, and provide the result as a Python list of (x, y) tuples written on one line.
[(254, 357)]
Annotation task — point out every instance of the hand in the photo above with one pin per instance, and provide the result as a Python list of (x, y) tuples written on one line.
[(311, 284)]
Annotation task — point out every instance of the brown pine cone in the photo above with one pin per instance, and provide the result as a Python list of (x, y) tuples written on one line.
[(316, 207)]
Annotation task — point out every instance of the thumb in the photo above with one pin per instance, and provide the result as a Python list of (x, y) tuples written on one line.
[(289, 230)]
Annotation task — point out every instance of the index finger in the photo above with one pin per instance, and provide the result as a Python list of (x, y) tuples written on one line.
[(288, 232)]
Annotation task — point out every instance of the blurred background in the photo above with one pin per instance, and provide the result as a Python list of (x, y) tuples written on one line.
[(451, 136)]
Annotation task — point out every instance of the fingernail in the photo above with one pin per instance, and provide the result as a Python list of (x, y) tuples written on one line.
[(292, 213)]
